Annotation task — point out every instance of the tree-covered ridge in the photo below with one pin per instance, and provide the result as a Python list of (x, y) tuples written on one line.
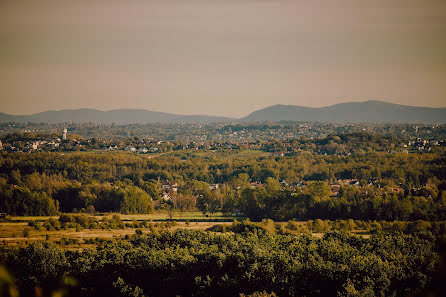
[(196, 263)]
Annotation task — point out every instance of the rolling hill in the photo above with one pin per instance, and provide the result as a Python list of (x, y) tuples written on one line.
[(117, 116), (350, 112), (367, 111)]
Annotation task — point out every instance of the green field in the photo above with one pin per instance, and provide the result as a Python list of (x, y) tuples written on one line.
[(190, 215), (16, 231)]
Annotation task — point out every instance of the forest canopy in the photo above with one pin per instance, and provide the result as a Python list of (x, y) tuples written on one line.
[(391, 186)]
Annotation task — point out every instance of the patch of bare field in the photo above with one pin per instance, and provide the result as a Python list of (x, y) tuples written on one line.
[(159, 215), (13, 233), (30, 218), (11, 229)]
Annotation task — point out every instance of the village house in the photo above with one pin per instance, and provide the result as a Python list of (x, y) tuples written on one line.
[(284, 183), (142, 150), (214, 187), (300, 184), (169, 187), (53, 145), (397, 190), (364, 191), (335, 190), (130, 148), (167, 197), (32, 146), (256, 185), (349, 182)]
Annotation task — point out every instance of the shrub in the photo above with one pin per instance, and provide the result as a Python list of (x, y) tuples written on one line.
[(35, 225), (292, 225), (66, 218), (26, 232), (93, 225), (260, 294), (320, 226)]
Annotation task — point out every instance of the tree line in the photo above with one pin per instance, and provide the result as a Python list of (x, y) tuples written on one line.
[(46, 183)]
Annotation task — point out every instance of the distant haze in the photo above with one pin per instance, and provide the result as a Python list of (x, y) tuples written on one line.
[(223, 58)]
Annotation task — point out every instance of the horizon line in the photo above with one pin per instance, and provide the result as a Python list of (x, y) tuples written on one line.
[(221, 116)]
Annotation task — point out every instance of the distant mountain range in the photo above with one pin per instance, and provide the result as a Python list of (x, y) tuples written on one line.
[(117, 116), (367, 111)]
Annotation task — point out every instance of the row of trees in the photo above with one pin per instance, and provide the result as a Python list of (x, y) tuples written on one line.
[(68, 197), (314, 201), (278, 202)]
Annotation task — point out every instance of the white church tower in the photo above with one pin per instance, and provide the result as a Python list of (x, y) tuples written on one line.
[(64, 134)]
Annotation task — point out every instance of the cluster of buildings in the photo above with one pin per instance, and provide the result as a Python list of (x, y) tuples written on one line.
[(282, 140), (423, 144), (28, 146), (169, 189), (141, 150)]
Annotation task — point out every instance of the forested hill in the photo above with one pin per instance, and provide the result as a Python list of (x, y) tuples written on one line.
[(117, 116), (359, 112), (368, 111)]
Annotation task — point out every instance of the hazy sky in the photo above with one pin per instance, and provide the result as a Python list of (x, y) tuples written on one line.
[(220, 57)]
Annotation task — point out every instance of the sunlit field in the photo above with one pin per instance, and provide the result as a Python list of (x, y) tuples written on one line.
[(161, 215)]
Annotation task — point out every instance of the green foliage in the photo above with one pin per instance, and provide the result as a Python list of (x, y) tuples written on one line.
[(259, 294), (126, 289), (249, 261), (19, 200), (319, 190), (135, 200), (36, 225), (46, 183), (26, 232)]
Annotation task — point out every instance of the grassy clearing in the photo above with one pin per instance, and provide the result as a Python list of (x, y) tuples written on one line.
[(16, 230), (30, 218), (161, 215), (20, 234), (84, 232)]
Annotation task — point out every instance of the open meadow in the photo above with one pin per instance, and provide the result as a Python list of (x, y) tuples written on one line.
[(160, 215), (24, 230), (16, 230)]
